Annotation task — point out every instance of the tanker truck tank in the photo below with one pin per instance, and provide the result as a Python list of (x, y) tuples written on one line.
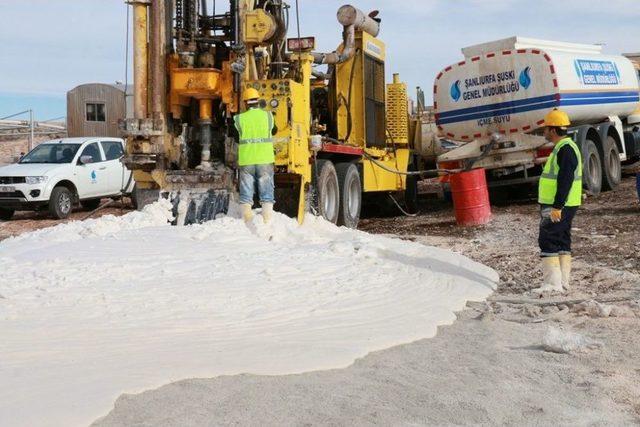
[(634, 119), (508, 86)]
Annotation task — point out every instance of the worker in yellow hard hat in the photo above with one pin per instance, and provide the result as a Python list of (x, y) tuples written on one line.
[(255, 155), (559, 195)]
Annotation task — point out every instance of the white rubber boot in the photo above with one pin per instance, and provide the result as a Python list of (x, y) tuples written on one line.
[(565, 267), (247, 213), (267, 212), (551, 276)]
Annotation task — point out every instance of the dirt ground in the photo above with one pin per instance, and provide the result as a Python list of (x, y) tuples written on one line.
[(605, 240)]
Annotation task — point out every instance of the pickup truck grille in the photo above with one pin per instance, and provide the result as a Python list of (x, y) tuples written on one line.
[(12, 180), (12, 195)]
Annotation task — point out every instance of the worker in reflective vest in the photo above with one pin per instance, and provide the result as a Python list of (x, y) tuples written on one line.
[(255, 155), (559, 195)]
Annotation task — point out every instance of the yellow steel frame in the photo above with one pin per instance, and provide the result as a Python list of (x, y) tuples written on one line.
[(396, 157), (289, 102), (376, 178)]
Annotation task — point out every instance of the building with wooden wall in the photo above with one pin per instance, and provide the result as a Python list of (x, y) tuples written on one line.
[(94, 109)]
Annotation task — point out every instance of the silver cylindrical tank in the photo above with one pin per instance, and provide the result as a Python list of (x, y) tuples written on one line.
[(510, 91)]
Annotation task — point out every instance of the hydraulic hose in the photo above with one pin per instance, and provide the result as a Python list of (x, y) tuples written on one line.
[(124, 189), (468, 163), (395, 202), (433, 173)]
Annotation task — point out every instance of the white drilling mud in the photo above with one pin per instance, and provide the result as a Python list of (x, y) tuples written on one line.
[(98, 308)]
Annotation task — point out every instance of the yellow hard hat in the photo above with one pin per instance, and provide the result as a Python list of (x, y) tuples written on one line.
[(250, 94), (557, 118)]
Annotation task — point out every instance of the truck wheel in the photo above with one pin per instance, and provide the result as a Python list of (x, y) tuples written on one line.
[(328, 191), (61, 202), (350, 194), (612, 170), (6, 214), (591, 168), (90, 205)]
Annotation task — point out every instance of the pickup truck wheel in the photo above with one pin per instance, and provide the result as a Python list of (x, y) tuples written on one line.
[(612, 170), (61, 202), (6, 214), (591, 168), (90, 205)]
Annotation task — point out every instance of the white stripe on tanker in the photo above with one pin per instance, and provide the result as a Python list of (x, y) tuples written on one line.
[(508, 86)]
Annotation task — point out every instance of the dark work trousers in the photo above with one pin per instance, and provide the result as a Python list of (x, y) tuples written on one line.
[(555, 237)]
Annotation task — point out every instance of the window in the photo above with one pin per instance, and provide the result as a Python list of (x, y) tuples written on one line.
[(93, 151), (51, 153), (112, 150), (95, 112)]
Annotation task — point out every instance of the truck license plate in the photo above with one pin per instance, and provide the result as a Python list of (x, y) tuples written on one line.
[(7, 189)]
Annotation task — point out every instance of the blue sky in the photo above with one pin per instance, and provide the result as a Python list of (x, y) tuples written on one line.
[(50, 46)]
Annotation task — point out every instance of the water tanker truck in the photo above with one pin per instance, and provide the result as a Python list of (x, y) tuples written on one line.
[(493, 103)]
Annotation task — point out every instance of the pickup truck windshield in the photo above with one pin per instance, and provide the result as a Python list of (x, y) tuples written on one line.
[(51, 153)]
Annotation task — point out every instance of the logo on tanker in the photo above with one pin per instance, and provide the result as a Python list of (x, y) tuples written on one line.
[(490, 85), (455, 91), (525, 78), (593, 72)]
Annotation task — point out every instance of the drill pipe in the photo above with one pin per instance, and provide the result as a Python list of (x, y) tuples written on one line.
[(140, 59), (158, 50)]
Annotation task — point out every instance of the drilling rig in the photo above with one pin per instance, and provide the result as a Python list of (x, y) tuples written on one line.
[(341, 133)]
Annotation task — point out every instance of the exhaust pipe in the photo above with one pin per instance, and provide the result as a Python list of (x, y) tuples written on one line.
[(352, 19), (349, 15)]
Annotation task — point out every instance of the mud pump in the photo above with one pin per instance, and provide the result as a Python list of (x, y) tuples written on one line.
[(341, 133)]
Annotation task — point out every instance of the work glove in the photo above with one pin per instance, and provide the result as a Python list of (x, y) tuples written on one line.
[(556, 215)]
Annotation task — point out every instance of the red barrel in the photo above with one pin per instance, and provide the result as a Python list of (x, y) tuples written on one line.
[(471, 197)]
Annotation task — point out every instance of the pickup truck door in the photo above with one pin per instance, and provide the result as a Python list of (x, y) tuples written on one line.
[(91, 179), (116, 172)]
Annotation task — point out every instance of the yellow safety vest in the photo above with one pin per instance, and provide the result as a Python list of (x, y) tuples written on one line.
[(256, 143), (548, 185)]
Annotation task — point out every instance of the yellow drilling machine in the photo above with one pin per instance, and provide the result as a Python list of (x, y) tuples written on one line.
[(342, 133)]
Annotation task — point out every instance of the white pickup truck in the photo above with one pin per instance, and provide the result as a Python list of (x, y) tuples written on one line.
[(58, 174)]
